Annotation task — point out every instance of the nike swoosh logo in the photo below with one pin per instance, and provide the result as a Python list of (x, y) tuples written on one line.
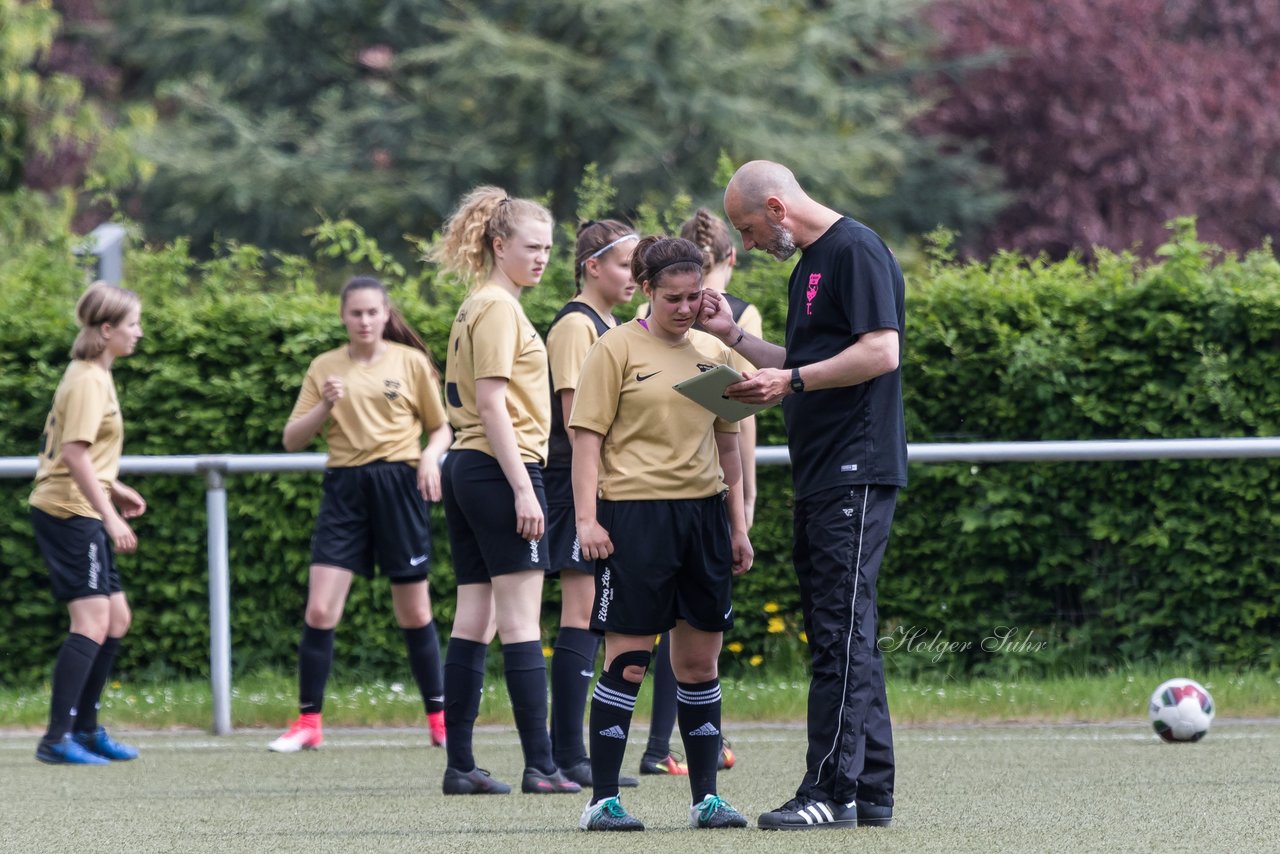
[(727, 613), (414, 561), (586, 673), (642, 377)]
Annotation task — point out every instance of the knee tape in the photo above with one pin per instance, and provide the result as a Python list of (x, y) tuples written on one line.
[(635, 658)]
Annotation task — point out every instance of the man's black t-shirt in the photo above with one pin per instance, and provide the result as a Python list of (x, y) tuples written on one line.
[(847, 283)]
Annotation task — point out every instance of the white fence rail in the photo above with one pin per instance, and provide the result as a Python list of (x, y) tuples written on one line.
[(215, 469)]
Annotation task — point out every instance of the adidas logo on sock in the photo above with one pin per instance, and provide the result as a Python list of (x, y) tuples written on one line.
[(614, 731), (706, 729)]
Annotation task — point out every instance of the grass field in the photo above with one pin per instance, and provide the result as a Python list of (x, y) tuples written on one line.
[(1006, 787), (270, 700)]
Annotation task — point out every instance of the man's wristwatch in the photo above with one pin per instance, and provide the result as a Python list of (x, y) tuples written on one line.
[(797, 384)]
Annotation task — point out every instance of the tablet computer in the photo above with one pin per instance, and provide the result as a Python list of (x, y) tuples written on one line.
[(707, 390)]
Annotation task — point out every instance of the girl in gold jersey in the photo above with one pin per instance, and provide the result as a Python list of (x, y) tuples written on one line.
[(499, 403), (78, 510), (719, 256), (602, 272), (712, 236), (658, 498), (373, 398)]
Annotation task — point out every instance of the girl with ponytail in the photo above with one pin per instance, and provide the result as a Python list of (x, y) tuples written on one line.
[(602, 272), (373, 398), (78, 510), (719, 256), (499, 402)]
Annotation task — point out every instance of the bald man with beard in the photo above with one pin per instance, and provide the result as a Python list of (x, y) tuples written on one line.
[(839, 383)]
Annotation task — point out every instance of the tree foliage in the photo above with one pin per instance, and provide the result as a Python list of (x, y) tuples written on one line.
[(1110, 117), (54, 140), (386, 112)]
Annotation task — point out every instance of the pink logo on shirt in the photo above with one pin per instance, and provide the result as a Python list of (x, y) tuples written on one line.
[(812, 291)]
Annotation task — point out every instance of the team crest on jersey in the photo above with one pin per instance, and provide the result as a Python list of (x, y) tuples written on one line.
[(391, 389), (703, 367)]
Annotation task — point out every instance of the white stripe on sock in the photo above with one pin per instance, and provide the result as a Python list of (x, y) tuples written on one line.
[(698, 698), (617, 699)]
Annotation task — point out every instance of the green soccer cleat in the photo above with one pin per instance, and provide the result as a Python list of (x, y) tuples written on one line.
[(608, 815), (713, 812)]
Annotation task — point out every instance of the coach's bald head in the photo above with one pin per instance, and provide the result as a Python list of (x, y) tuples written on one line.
[(754, 183)]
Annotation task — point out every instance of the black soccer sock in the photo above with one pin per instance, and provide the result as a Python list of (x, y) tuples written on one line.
[(315, 658), (612, 704), (91, 694), (70, 671), (663, 717), (572, 666), (463, 685), (423, 645), (698, 707), (526, 671)]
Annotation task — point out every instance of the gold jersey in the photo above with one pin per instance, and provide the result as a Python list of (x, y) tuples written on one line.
[(658, 444), (385, 408), (567, 346), (492, 339), (85, 409)]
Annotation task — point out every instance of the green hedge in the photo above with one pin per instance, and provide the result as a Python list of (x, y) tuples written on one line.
[(1091, 563), (1104, 562)]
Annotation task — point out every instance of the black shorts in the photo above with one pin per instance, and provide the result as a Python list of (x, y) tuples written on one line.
[(671, 560), (78, 553), (481, 511), (562, 525), (374, 511)]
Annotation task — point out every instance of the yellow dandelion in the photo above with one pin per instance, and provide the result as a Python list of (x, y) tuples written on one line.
[(547, 652), (804, 637), (757, 660), (735, 647), (771, 607), (777, 625)]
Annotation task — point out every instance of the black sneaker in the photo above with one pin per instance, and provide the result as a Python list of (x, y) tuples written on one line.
[(581, 774), (474, 782), (873, 815), (804, 814), (536, 782)]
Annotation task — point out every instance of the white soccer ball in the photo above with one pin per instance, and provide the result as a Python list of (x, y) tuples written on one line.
[(1181, 710)]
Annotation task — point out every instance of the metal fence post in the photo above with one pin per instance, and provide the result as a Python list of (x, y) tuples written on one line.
[(219, 597)]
